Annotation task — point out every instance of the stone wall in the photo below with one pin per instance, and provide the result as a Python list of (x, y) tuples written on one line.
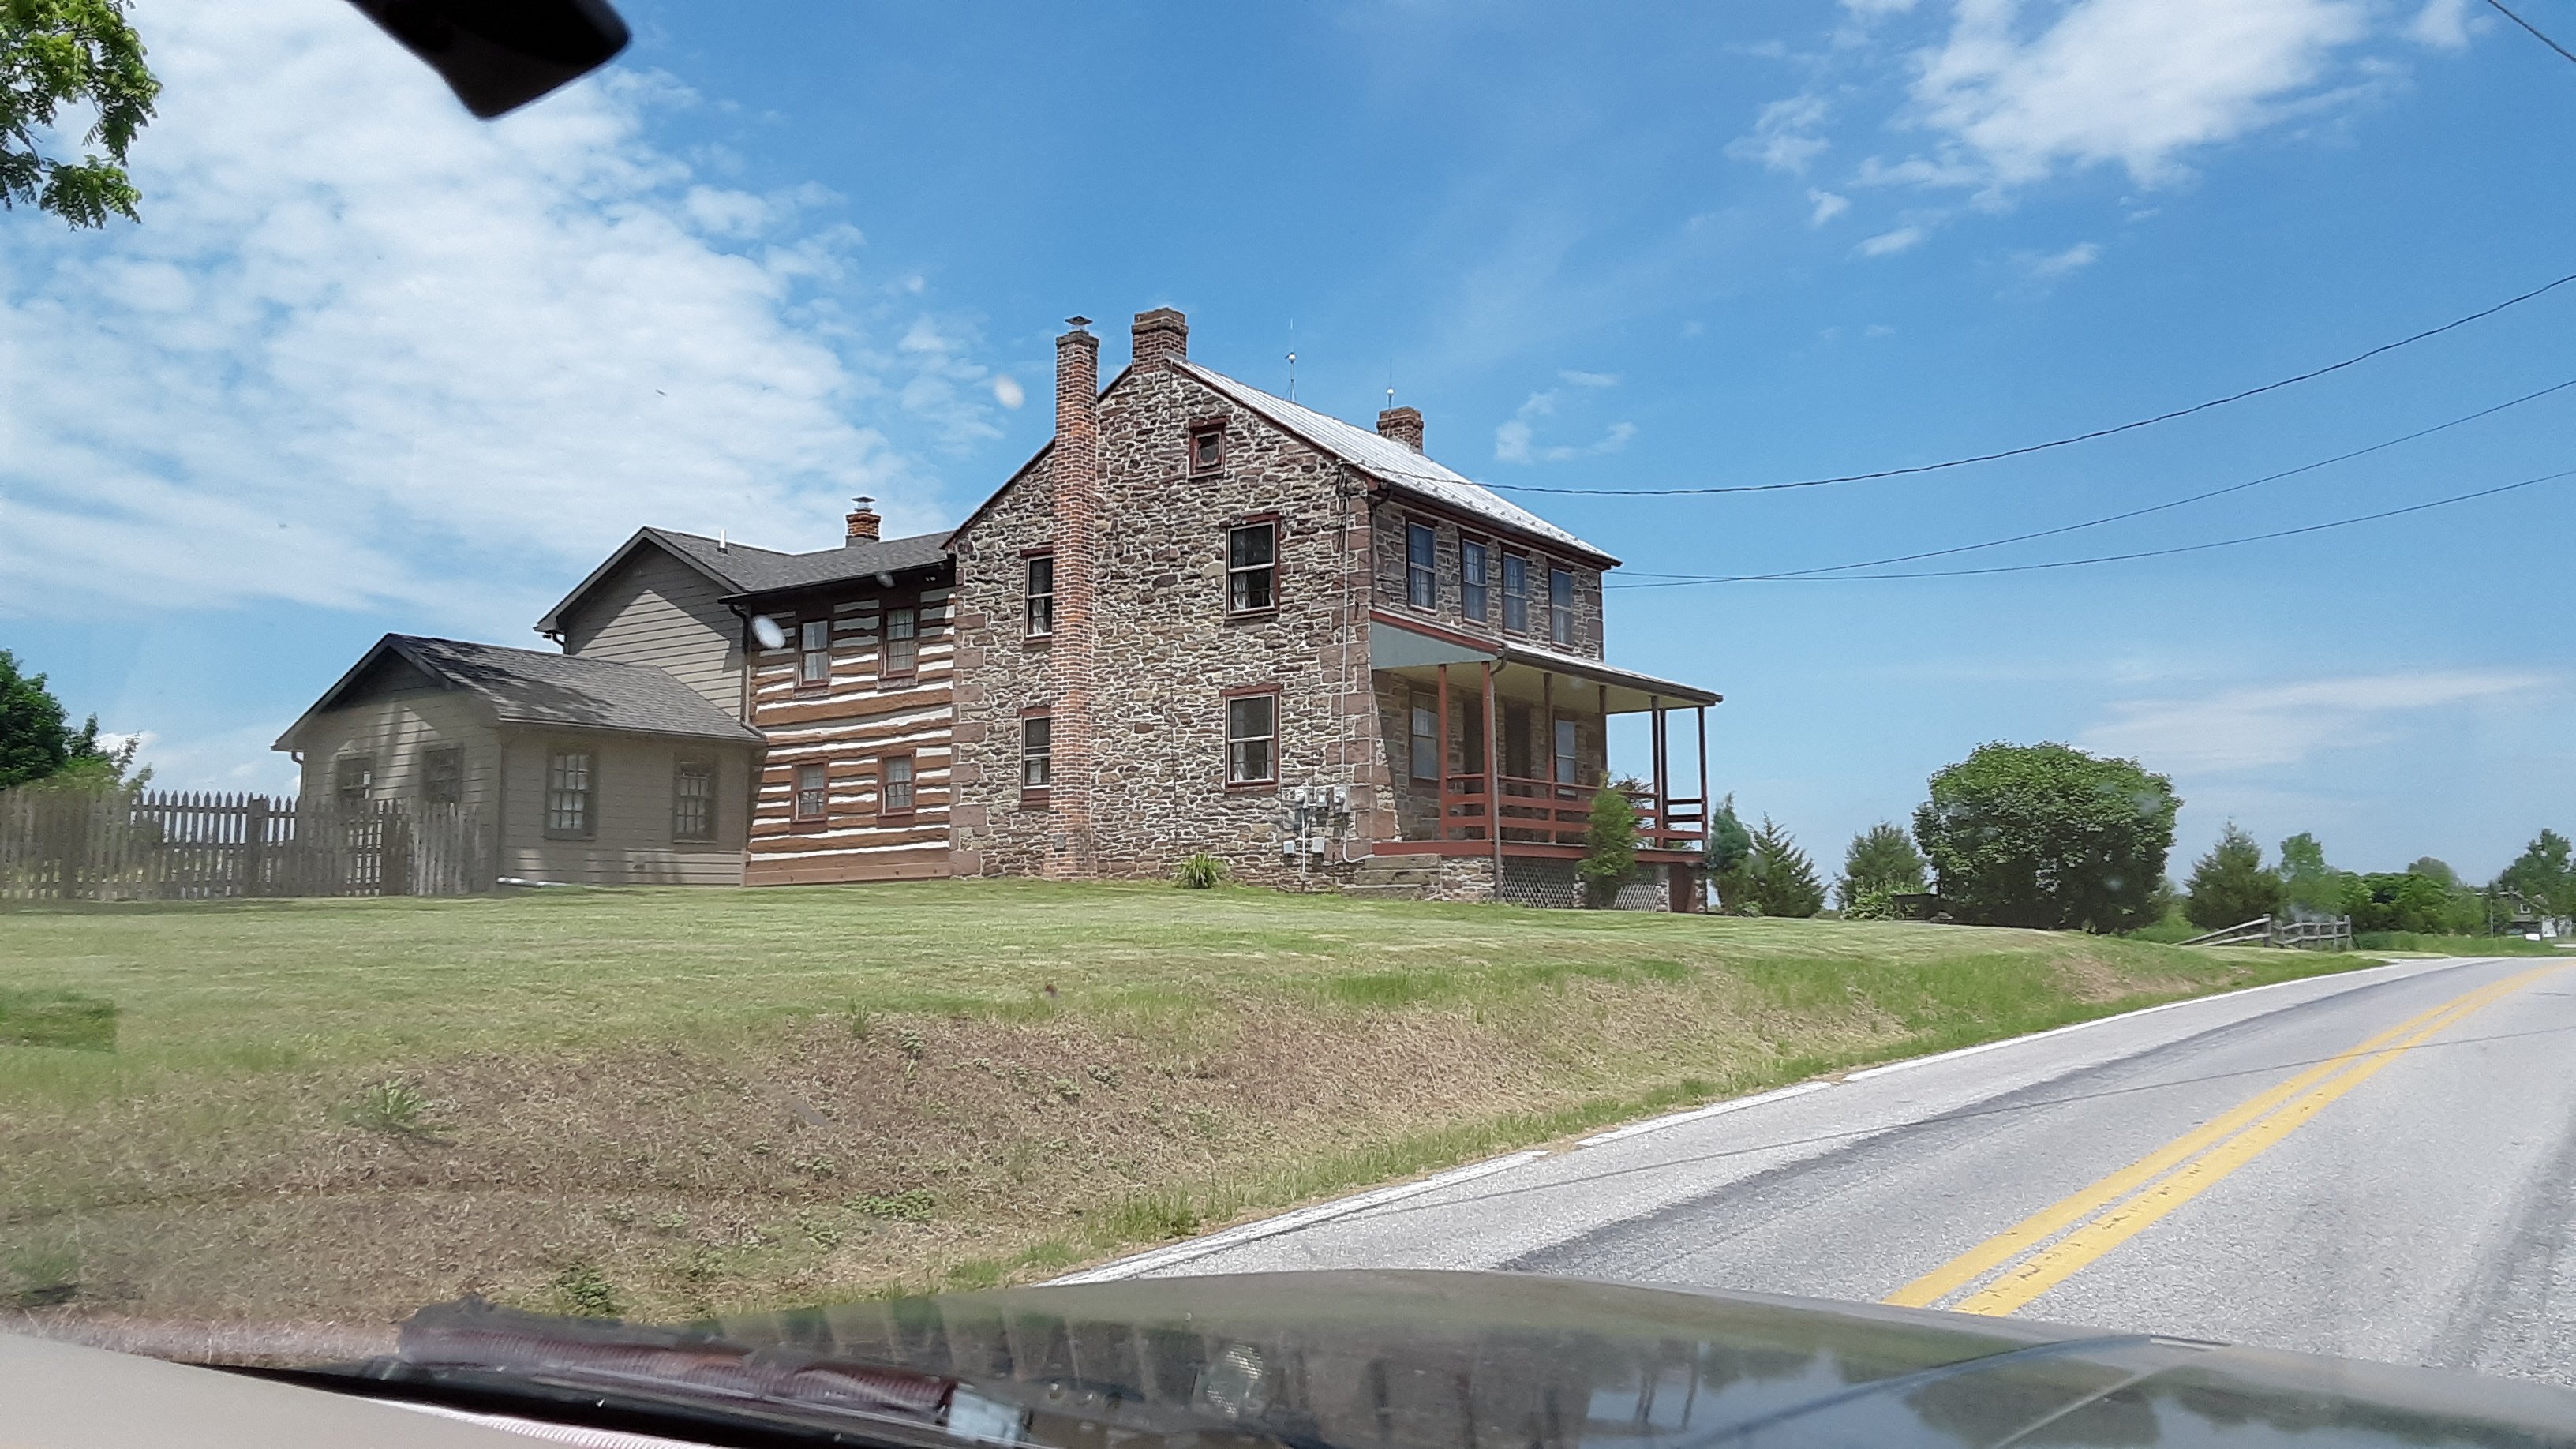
[(1387, 534), (1166, 652)]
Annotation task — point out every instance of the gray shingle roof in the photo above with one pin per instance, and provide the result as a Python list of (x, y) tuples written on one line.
[(761, 571), (1390, 461), (531, 687)]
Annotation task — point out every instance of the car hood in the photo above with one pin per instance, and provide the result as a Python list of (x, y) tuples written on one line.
[(1421, 1360)]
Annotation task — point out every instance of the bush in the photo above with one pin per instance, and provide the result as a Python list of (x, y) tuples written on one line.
[(1199, 872), (1872, 905), (2229, 886), (1779, 879), (1880, 862), (2047, 836), (1609, 848)]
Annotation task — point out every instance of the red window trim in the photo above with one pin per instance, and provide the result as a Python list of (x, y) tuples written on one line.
[(1278, 564), (1200, 428), (1044, 550), (796, 652), (797, 819), (910, 810), (1278, 694), (887, 604)]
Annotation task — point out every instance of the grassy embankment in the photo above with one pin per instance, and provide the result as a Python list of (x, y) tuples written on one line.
[(665, 1102)]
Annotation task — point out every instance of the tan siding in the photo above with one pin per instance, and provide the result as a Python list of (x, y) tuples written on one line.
[(656, 610), (632, 844), (396, 728)]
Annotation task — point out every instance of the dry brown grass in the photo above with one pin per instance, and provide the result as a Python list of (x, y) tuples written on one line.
[(841, 1150)]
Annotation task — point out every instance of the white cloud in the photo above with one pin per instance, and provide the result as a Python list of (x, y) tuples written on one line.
[(1877, 7), (1828, 206), (366, 352), (1008, 392), (2441, 24), (1784, 136), (2052, 265), (2275, 725), (1516, 440), (2137, 82), (1888, 243)]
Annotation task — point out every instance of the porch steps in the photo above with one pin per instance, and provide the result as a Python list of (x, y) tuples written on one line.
[(1393, 877)]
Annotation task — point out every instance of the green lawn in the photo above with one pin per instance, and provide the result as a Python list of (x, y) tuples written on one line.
[(691, 1099)]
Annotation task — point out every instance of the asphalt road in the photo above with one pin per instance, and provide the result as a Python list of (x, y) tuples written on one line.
[(2380, 1165)]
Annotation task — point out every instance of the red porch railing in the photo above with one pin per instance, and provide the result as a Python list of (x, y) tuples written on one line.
[(1549, 812)]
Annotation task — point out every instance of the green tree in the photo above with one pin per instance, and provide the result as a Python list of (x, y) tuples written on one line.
[(1881, 862), (2047, 836), (1779, 878), (37, 741), (1609, 848), (2229, 886), (2397, 901), (2542, 876), (2434, 868), (79, 54), (1723, 856), (2308, 884)]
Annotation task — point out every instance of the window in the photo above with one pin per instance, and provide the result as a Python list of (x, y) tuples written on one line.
[(894, 785), (1252, 739), (571, 777), (352, 777), (693, 800), (1426, 738), (1565, 752), (1515, 594), (442, 776), (1252, 568), (1207, 449), (1475, 577), (814, 653), (1560, 606), (812, 793), (902, 642), (1037, 752), (1041, 595), (1421, 566)]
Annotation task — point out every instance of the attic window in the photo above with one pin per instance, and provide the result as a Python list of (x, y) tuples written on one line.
[(1207, 448)]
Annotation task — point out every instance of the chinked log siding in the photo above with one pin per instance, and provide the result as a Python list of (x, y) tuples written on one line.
[(851, 724)]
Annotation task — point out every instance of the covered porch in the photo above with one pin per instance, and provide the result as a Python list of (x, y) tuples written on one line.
[(1500, 748)]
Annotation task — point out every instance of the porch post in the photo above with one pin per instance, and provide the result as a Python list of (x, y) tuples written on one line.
[(1493, 783), (1547, 742), (1655, 710), (1707, 796), (1440, 756)]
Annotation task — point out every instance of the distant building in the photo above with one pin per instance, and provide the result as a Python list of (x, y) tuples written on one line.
[(1200, 618)]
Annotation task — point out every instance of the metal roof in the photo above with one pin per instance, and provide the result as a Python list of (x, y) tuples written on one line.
[(531, 687), (1389, 461)]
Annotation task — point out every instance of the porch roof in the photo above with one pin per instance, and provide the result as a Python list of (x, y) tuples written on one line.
[(1397, 647)]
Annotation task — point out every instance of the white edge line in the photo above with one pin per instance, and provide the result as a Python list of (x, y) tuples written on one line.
[(1713, 1109), (1147, 1262)]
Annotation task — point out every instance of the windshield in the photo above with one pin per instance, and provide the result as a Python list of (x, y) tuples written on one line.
[(691, 664)]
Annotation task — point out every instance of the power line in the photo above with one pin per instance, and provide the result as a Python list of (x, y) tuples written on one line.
[(2534, 29), (2132, 513), (2068, 563), (2029, 448)]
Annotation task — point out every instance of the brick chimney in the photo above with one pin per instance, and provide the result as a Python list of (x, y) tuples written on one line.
[(865, 525), (1159, 334), (1404, 425), (1073, 473)]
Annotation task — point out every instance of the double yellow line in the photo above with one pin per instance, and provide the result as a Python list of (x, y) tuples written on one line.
[(2043, 1250)]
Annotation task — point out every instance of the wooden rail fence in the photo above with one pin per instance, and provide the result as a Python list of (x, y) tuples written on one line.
[(2333, 934), (117, 845)]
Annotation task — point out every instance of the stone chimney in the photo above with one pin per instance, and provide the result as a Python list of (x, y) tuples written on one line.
[(1159, 334), (1073, 474), (1404, 425), (865, 525)]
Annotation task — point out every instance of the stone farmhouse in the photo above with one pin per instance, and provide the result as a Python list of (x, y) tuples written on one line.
[(1200, 619)]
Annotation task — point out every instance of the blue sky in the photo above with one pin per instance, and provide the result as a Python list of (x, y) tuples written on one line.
[(369, 365)]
